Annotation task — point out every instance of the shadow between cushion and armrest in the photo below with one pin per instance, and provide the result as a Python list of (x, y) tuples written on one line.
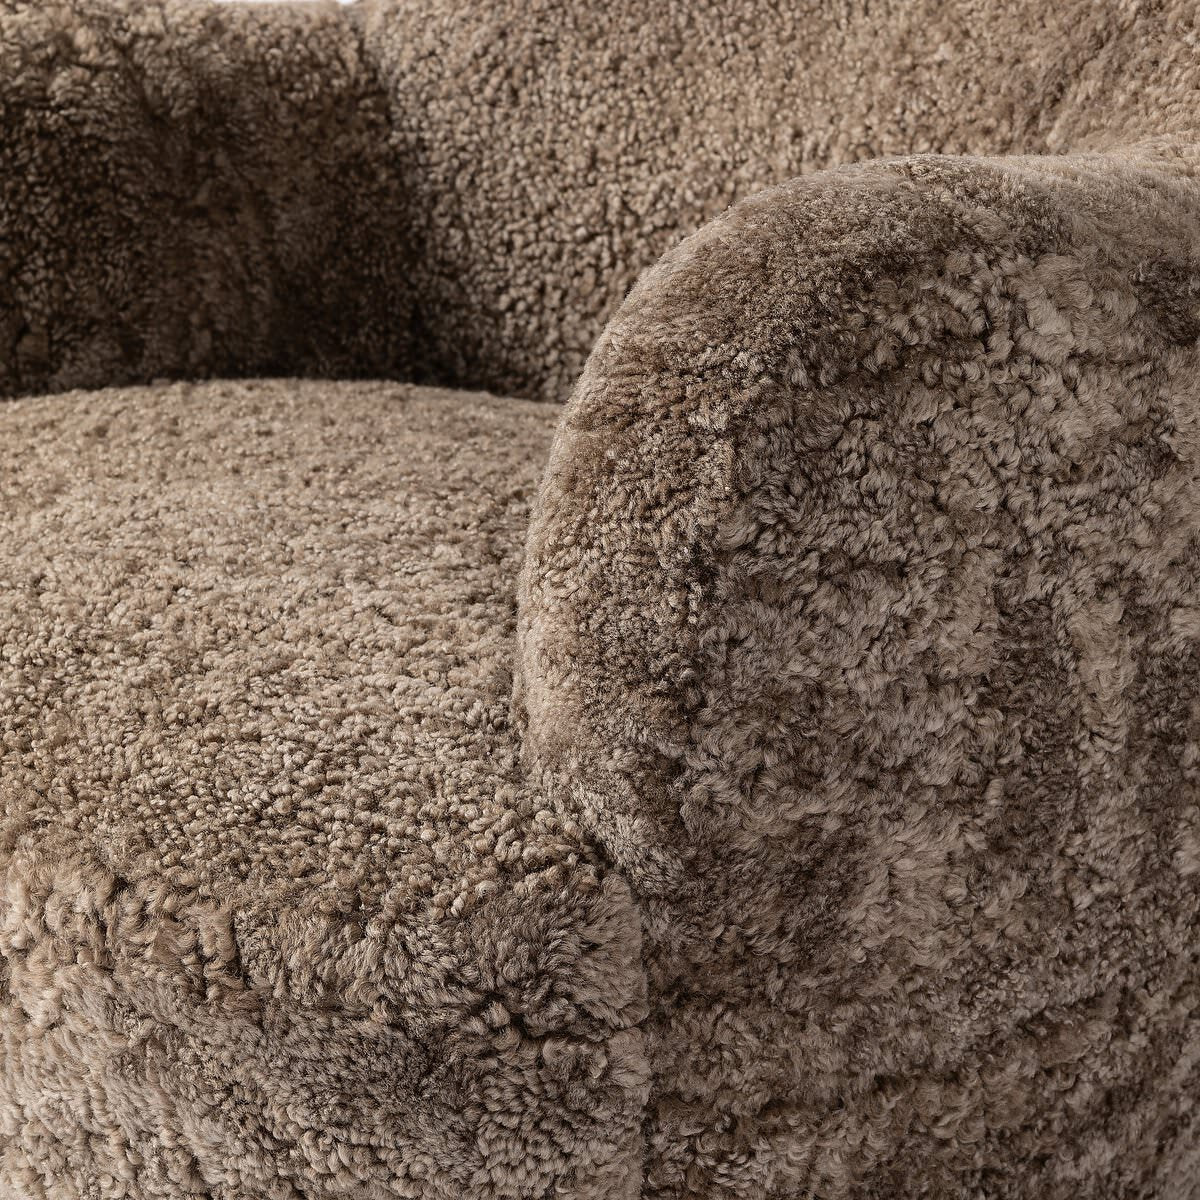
[(858, 625)]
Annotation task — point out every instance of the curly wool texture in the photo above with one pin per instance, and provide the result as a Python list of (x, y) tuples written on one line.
[(279, 915), (819, 819), (559, 147), (859, 626), (190, 189), (462, 194)]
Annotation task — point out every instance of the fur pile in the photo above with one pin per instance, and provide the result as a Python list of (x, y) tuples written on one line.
[(781, 781), (463, 193), (859, 625), (279, 915)]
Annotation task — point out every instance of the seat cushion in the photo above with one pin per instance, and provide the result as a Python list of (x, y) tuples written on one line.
[(280, 916)]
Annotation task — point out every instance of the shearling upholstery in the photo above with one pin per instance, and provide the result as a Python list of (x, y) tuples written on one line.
[(859, 626), (778, 781), (280, 915), (191, 189), (463, 193)]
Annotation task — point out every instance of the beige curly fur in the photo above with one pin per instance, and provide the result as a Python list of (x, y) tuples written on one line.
[(779, 780), (858, 626), (280, 917)]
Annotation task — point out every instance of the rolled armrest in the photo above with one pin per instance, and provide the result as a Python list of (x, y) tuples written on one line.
[(192, 189), (859, 626)]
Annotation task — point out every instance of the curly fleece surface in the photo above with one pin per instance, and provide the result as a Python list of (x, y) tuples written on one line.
[(774, 774), (280, 915)]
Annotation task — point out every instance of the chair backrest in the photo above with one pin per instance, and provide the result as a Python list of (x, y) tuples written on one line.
[(191, 189), (464, 193), (556, 148)]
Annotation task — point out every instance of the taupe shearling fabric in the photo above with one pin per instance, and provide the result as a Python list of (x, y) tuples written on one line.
[(191, 189), (860, 626), (278, 915), (558, 147), (463, 193), (781, 781)]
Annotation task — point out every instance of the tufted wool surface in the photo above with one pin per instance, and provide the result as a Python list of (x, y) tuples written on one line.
[(555, 148), (859, 625), (280, 917), (780, 781), (464, 193)]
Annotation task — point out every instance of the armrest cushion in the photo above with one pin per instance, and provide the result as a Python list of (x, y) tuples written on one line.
[(859, 625), (192, 189)]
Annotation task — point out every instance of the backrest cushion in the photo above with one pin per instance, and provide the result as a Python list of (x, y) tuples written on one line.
[(555, 148)]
